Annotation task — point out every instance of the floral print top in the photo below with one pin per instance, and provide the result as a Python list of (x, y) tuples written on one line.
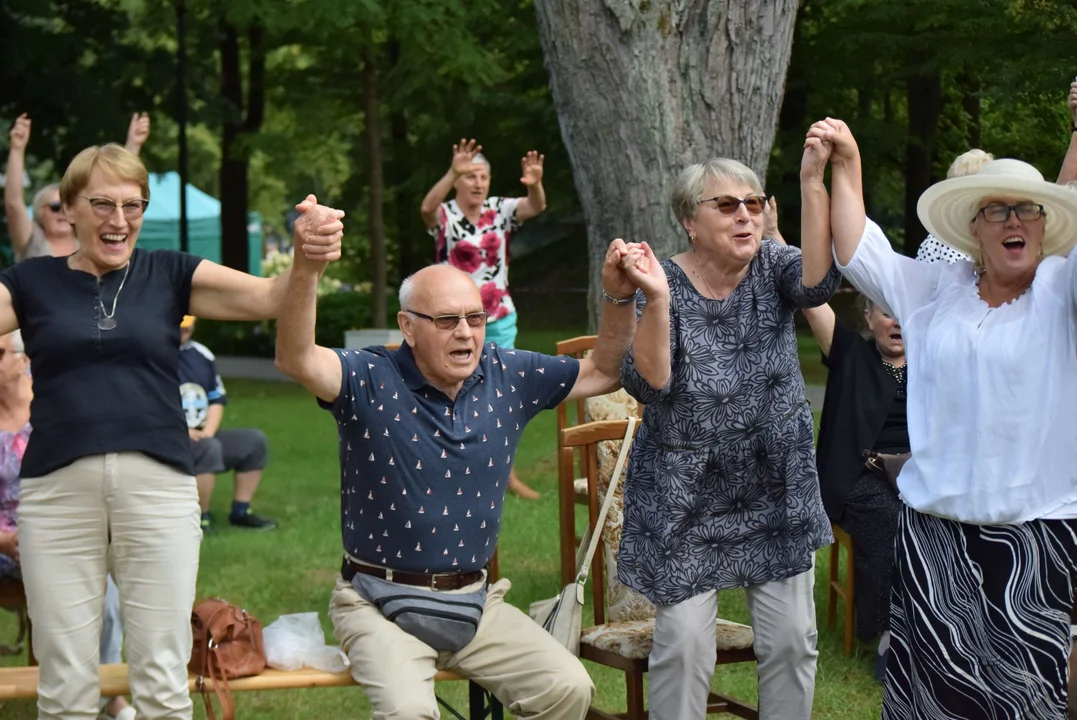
[(722, 489), (482, 251), (12, 447)]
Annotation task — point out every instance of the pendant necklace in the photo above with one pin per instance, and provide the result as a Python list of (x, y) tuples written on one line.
[(108, 320)]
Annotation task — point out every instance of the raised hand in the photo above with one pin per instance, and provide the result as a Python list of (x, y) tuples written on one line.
[(816, 155), (770, 218), (647, 273), (463, 157), (531, 168), (1073, 100), (139, 130), (836, 133), (318, 231), (615, 280), (20, 133)]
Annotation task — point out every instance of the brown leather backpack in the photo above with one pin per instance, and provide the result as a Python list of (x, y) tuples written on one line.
[(227, 644)]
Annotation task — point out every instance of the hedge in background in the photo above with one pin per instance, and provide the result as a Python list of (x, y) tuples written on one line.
[(337, 312)]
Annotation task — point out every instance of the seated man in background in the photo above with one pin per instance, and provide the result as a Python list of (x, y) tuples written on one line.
[(243, 450)]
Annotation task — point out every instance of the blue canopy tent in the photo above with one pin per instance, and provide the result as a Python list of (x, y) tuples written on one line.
[(160, 224)]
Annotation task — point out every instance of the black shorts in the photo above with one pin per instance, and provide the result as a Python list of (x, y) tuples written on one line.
[(239, 449)]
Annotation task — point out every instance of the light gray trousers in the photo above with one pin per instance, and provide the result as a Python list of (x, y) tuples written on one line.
[(684, 653)]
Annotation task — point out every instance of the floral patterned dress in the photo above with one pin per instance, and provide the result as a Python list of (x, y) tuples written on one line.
[(12, 447), (482, 250), (722, 489)]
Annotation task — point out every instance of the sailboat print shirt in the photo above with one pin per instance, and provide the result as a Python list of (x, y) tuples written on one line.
[(423, 477)]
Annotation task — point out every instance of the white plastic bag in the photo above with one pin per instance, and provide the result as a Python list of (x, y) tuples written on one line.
[(295, 641)]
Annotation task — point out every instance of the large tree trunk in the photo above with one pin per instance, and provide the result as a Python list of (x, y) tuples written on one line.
[(235, 126), (643, 89), (376, 184), (925, 106)]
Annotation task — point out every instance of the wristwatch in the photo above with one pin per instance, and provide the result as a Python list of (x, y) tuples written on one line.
[(616, 300)]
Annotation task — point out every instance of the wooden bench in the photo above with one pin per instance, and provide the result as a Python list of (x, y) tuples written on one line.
[(20, 683), (846, 590)]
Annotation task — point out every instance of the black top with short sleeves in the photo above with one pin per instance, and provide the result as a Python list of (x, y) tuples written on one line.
[(103, 391)]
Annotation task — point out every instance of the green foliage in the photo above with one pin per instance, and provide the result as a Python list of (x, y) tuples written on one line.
[(337, 313)]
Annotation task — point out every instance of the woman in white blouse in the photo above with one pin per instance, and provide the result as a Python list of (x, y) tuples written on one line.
[(986, 550)]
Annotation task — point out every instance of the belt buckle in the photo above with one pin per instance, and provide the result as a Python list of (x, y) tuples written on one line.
[(388, 574), (433, 582)]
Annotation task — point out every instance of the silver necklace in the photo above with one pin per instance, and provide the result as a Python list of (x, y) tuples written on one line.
[(700, 275), (108, 321)]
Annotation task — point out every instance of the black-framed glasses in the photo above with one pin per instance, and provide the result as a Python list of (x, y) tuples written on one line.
[(449, 322), (55, 206), (999, 213), (104, 207), (729, 204)]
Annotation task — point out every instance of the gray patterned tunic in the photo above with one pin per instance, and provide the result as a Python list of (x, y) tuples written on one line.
[(721, 489)]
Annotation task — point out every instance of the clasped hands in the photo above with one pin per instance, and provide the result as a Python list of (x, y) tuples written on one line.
[(632, 266), (318, 231)]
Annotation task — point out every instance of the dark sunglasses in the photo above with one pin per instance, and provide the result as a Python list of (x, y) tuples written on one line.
[(449, 322), (55, 207), (728, 204)]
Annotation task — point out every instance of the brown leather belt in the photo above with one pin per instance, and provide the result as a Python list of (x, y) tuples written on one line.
[(435, 581)]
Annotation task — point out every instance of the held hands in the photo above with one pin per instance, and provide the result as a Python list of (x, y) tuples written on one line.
[(463, 157), (836, 135), (531, 167), (20, 133), (816, 155), (318, 231), (139, 130), (629, 266)]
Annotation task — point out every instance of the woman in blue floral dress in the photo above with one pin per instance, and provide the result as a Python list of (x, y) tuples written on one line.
[(722, 490)]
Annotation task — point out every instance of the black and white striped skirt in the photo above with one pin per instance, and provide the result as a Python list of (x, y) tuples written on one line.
[(980, 620)]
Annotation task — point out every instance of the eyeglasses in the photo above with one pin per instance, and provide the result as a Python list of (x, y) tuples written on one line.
[(729, 204), (449, 322), (999, 213), (55, 206), (105, 208)]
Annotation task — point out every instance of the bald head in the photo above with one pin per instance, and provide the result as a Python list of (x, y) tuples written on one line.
[(439, 284)]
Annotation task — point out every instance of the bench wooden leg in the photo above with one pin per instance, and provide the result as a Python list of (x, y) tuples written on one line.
[(831, 590), (481, 704)]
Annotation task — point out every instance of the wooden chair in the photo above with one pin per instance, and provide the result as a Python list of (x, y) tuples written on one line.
[(624, 642), (845, 590), (13, 598)]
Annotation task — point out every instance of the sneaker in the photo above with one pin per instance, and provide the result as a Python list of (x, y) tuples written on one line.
[(207, 526), (250, 521)]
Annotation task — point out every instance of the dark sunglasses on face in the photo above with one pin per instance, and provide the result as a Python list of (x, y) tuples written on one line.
[(54, 206), (999, 213), (449, 322), (728, 204)]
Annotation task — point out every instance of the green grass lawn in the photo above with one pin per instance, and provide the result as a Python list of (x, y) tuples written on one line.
[(293, 569)]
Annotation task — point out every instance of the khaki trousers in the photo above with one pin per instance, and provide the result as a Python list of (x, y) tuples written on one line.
[(512, 657), (139, 518)]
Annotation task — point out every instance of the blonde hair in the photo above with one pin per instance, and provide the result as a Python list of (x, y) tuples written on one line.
[(690, 184), (113, 160), (969, 163), (39, 203)]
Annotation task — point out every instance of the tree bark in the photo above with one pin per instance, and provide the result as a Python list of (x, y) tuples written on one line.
[(644, 88), (414, 248), (236, 127), (925, 107), (376, 182)]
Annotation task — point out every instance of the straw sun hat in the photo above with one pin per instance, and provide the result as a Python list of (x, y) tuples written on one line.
[(947, 208)]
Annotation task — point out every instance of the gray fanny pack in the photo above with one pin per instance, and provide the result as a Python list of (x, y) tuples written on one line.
[(446, 622)]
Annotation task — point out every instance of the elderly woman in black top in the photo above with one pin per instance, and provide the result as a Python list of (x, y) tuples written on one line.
[(864, 409), (722, 490), (107, 476)]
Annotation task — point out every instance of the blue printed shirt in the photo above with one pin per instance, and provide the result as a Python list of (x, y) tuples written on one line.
[(200, 383), (423, 477)]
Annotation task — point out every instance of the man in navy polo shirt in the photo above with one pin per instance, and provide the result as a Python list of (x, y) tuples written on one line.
[(428, 434)]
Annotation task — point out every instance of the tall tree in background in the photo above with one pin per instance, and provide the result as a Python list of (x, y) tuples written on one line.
[(643, 89)]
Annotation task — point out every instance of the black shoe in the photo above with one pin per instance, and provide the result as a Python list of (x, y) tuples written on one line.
[(250, 521), (880, 665), (207, 525)]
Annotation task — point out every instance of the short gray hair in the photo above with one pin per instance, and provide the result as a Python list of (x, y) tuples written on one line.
[(689, 187), (407, 292), (39, 202), (480, 158)]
